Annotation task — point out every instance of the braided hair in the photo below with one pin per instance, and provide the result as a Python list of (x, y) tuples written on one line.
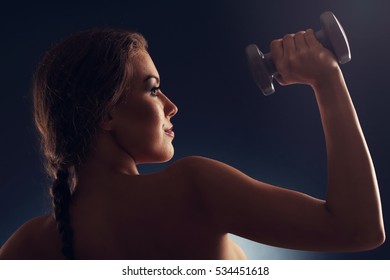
[(79, 81), (61, 200)]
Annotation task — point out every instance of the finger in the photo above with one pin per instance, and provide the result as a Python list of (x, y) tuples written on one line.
[(300, 42), (276, 50), (288, 45), (311, 39)]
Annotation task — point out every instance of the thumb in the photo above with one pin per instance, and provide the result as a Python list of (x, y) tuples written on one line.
[(280, 79)]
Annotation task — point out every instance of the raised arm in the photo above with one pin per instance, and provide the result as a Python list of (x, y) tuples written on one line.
[(353, 196), (350, 219)]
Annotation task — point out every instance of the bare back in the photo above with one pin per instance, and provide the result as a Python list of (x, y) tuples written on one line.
[(158, 216)]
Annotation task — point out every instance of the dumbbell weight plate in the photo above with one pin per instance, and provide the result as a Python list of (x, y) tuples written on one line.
[(259, 70), (335, 34)]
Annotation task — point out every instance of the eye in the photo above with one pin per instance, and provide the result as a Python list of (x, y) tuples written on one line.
[(154, 91)]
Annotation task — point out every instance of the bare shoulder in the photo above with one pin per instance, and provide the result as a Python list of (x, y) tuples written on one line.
[(35, 239), (204, 173), (199, 164), (195, 160), (184, 169), (210, 173)]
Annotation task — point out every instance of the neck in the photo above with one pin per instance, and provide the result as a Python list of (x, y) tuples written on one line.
[(106, 161)]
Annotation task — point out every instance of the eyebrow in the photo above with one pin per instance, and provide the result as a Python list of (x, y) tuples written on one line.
[(152, 77)]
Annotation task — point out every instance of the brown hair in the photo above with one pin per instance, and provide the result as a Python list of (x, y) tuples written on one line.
[(77, 83)]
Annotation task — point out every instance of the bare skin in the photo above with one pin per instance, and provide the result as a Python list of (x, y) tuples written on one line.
[(186, 211), (155, 216)]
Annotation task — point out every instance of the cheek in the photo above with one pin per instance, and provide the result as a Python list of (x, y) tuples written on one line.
[(148, 119), (141, 132), (142, 115)]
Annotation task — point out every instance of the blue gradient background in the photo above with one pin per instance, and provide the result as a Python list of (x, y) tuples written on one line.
[(198, 47)]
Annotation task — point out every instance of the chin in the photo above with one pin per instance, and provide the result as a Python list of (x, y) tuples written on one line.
[(158, 157), (166, 154), (167, 157)]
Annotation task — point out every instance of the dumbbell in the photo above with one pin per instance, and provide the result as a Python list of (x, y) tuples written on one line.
[(331, 36)]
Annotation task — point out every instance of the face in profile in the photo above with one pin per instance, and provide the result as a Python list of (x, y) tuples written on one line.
[(142, 125)]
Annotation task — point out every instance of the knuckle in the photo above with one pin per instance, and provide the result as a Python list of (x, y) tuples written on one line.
[(275, 43), (309, 31), (302, 52), (288, 36), (293, 63), (276, 47)]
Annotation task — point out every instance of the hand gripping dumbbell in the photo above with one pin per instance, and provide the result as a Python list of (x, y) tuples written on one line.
[(331, 36)]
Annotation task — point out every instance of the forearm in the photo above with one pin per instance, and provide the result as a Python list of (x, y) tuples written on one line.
[(352, 197)]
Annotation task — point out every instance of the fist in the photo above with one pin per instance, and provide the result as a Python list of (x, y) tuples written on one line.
[(300, 59)]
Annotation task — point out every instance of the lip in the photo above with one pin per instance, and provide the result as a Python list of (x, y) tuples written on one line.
[(170, 132)]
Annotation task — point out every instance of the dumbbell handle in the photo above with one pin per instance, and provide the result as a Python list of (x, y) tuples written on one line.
[(268, 57)]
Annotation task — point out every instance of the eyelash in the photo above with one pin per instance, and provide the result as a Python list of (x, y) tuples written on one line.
[(154, 90)]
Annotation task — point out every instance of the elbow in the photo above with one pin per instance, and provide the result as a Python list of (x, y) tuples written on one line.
[(368, 240), (377, 239)]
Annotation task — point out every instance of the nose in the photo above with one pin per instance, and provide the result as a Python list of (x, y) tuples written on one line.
[(170, 108)]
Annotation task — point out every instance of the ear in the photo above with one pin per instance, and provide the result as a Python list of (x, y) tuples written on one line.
[(107, 122)]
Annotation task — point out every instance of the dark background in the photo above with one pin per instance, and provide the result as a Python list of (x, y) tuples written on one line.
[(198, 48)]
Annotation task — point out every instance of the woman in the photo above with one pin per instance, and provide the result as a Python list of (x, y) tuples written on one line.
[(100, 112)]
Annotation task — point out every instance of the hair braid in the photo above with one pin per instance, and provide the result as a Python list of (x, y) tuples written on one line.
[(61, 194)]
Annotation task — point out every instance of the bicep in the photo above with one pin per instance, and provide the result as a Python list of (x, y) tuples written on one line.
[(264, 213)]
